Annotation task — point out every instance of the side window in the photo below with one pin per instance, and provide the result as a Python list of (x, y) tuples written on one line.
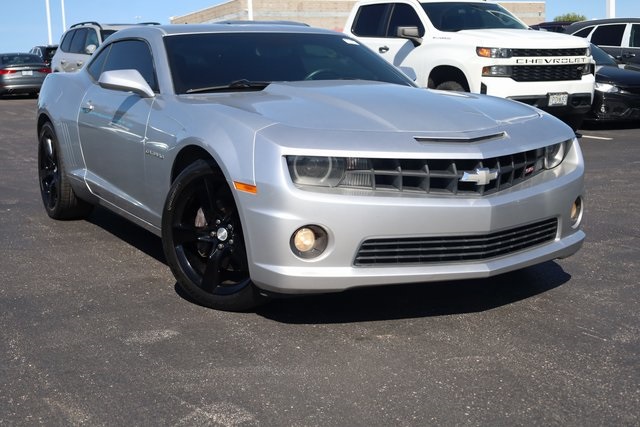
[(584, 32), (132, 55), (608, 35), (66, 41), (634, 39), (97, 64), (92, 38), (371, 21), (77, 44), (404, 15)]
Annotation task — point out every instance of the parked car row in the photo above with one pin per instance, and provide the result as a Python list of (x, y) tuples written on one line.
[(22, 73), (616, 50)]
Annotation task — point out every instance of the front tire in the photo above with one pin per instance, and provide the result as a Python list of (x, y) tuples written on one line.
[(203, 241), (58, 196), (451, 85)]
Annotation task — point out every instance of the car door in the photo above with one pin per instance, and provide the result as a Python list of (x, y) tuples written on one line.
[(377, 25), (74, 59), (631, 51), (112, 127), (609, 38)]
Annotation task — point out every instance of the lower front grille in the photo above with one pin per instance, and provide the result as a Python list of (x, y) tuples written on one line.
[(546, 73), (431, 250)]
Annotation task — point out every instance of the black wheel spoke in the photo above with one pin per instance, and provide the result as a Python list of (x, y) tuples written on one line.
[(212, 276), (206, 196), (185, 234)]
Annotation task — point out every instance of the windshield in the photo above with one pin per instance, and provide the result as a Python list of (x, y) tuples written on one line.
[(452, 16), (217, 60)]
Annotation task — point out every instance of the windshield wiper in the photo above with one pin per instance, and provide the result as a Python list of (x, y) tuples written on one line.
[(242, 84)]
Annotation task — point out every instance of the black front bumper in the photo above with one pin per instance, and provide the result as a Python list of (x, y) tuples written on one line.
[(615, 106)]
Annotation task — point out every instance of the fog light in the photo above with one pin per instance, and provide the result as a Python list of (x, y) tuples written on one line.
[(309, 241), (576, 212)]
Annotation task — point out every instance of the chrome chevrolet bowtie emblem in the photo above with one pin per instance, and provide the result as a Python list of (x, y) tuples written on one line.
[(481, 176)]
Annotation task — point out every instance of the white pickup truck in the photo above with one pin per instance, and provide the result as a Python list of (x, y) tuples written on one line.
[(478, 46)]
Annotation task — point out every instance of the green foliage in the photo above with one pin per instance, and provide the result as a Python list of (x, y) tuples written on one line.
[(570, 17)]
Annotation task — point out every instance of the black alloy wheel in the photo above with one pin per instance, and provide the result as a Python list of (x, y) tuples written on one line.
[(203, 241), (58, 196)]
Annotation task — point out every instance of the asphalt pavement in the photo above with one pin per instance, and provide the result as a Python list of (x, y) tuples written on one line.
[(93, 330)]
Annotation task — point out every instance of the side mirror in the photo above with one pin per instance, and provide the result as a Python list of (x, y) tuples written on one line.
[(126, 81), (411, 33), (90, 49)]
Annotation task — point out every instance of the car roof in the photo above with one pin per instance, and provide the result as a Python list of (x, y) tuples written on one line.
[(110, 26), (582, 24), (224, 27)]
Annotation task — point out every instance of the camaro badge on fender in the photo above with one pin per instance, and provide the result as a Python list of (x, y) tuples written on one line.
[(481, 176)]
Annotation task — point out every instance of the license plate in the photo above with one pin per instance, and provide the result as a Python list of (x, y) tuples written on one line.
[(27, 73), (558, 99)]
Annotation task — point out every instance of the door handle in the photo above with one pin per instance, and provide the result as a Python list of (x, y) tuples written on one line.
[(383, 49), (628, 55), (87, 107)]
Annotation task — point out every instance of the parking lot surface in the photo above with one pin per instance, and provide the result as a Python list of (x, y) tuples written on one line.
[(93, 330)]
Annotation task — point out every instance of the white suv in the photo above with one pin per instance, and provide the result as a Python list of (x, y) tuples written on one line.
[(80, 41)]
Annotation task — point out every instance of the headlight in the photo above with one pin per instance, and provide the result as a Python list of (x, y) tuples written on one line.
[(554, 155), (606, 87), (316, 170), (497, 71), (493, 52)]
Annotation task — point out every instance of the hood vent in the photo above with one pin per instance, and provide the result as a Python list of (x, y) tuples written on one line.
[(456, 139)]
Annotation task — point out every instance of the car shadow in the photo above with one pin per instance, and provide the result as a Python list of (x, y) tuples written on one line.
[(593, 125), (370, 303), (128, 232), (417, 300)]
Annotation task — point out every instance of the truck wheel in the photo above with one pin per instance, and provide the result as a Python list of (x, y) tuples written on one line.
[(451, 85)]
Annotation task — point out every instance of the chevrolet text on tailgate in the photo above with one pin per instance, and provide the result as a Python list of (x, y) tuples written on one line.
[(478, 46)]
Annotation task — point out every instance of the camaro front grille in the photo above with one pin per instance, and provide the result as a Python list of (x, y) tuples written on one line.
[(546, 73), (432, 250), (443, 176)]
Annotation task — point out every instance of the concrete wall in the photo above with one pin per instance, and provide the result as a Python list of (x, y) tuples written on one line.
[(331, 14)]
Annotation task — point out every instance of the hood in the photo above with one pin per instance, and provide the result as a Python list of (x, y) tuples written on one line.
[(372, 106), (506, 38), (617, 76)]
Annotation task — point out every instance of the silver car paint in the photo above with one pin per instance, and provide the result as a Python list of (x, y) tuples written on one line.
[(123, 159)]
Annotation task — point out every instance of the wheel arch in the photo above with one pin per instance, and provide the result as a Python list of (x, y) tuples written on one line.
[(443, 73), (187, 156), (42, 119)]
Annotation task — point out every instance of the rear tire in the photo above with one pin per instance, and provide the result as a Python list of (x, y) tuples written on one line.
[(58, 196), (203, 241)]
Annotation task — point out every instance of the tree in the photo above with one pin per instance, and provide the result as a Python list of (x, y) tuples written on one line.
[(570, 17)]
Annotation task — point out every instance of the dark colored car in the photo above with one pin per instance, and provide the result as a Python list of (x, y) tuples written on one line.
[(619, 37), (554, 26), (22, 73), (617, 90), (45, 52)]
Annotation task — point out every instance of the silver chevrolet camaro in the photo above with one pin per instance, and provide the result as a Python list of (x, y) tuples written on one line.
[(277, 158)]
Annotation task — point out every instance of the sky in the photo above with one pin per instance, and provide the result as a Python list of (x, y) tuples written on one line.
[(23, 23)]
